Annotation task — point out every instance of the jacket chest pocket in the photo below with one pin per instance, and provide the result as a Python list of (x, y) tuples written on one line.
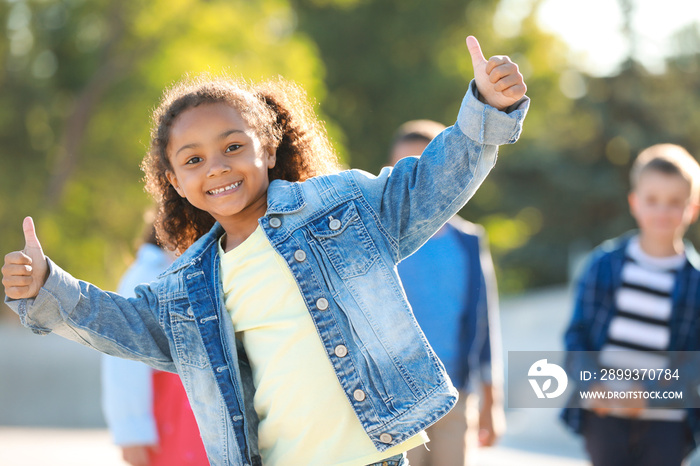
[(188, 342), (346, 241)]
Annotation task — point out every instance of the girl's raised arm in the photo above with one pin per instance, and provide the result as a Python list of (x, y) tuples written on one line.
[(419, 195), (48, 299)]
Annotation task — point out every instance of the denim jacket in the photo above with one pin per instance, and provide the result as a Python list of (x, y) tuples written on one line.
[(595, 308), (342, 236)]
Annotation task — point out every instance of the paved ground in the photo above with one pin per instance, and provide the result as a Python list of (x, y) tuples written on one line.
[(57, 447), (50, 414), (91, 447)]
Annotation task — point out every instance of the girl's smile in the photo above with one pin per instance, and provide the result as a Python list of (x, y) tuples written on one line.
[(220, 166), (225, 190)]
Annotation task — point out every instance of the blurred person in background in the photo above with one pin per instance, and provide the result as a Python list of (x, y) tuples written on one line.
[(636, 304), (147, 410), (451, 286)]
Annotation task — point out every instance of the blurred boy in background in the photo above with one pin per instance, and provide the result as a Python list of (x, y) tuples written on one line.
[(637, 299)]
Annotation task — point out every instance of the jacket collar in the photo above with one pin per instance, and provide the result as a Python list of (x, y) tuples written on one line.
[(284, 197), (194, 253), (619, 245)]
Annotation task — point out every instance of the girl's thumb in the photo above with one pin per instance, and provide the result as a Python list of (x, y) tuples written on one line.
[(30, 239), (475, 51)]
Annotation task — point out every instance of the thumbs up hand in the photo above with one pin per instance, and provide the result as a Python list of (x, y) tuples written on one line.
[(25, 271), (498, 80)]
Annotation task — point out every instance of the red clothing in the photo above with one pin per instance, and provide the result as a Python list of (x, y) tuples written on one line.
[(179, 442)]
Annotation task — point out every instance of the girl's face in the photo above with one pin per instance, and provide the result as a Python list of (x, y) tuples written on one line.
[(220, 166)]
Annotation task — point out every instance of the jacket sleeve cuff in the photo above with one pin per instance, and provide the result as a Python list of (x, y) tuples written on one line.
[(487, 125)]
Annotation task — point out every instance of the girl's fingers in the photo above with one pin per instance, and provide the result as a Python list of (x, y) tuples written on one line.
[(11, 270), (507, 82), (19, 267), (499, 72), (515, 92), (17, 275), (497, 61), (17, 257), (17, 292), (17, 281)]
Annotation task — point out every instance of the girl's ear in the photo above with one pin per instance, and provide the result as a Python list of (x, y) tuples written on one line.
[(271, 158), (173, 181)]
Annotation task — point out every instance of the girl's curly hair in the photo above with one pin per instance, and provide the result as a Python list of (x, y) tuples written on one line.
[(278, 111)]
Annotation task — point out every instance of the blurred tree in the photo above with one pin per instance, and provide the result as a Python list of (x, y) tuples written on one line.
[(78, 82)]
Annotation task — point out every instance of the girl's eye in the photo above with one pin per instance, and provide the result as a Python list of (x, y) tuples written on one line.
[(193, 160), (233, 147)]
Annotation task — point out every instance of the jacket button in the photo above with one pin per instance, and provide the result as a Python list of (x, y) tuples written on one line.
[(299, 255), (335, 224), (359, 395), (341, 351), (275, 222), (385, 438), (322, 304)]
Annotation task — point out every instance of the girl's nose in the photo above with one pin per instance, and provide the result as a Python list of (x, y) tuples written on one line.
[(218, 167)]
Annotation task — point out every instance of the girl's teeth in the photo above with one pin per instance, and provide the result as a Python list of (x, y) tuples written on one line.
[(225, 188)]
